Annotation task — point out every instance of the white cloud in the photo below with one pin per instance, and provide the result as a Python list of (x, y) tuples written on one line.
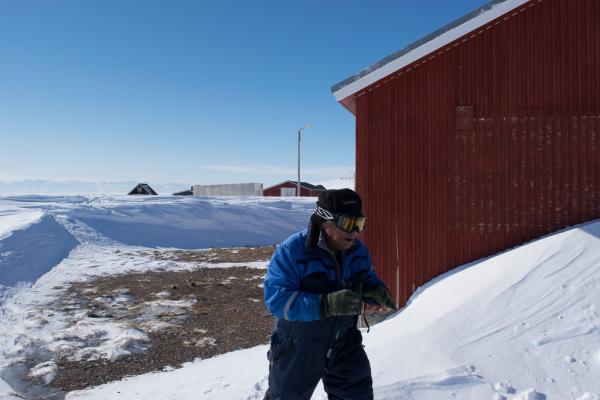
[(329, 171)]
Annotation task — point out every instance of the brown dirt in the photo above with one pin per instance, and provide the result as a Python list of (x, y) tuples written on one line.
[(229, 314)]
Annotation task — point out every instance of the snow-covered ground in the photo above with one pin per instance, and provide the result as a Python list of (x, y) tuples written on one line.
[(522, 325), (48, 242)]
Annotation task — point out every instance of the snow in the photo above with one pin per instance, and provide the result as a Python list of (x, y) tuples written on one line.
[(519, 318), (46, 371), (49, 242), (15, 218), (42, 230), (524, 324), (227, 376)]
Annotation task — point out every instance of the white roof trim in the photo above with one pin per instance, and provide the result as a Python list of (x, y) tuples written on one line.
[(429, 47), (290, 181), (280, 183)]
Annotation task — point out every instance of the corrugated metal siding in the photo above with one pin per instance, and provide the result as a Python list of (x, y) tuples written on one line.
[(490, 142), (229, 189), (275, 191)]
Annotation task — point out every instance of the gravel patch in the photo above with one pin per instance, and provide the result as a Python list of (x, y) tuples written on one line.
[(185, 315)]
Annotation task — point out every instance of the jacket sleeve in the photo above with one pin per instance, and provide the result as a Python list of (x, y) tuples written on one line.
[(372, 278), (283, 297)]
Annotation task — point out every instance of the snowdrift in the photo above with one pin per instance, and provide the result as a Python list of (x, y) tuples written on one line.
[(38, 232), (173, 221), (198, 222), (523, 324), (28, 253)]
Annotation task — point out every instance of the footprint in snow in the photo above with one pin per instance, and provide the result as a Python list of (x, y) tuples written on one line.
[(504, 388), (259, 389), (530, 394)]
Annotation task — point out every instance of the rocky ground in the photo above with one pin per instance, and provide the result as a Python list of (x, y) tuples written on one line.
[(226, 313), (180, 316)]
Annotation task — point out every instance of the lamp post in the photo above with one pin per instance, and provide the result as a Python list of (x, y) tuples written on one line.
[(299, 131)]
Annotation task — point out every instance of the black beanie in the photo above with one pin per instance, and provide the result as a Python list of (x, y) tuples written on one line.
[(339, 202)]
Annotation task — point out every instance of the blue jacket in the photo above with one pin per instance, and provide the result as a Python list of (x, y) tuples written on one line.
[(300, 272)]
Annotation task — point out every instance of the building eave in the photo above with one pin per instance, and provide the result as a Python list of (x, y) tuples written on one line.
[(346, 90)]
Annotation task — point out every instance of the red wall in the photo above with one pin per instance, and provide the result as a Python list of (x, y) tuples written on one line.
[(487, 143), (276, 190)]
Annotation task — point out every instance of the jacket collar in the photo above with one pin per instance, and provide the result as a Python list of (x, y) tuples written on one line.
[(311, 245)]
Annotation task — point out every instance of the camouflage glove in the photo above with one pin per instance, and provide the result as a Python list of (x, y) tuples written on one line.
[(381, 295), (342, 302)]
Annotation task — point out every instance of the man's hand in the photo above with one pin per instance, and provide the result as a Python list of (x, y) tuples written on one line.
[(381, 295), (342, 302)]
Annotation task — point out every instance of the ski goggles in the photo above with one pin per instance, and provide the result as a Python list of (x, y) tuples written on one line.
[(350, 224), (344, 222)]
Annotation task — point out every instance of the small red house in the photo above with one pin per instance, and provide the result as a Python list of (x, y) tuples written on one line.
[(479, 137), (289, 188)]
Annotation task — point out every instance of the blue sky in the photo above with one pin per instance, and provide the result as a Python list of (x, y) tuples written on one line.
[(191, 91)]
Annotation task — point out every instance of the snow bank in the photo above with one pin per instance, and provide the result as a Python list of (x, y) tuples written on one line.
[(197, 222), (28, 253), (14, 218), (38, 232), (508, 322), (168, 221)]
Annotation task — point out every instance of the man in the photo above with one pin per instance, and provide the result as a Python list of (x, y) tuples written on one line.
[(315, 286)]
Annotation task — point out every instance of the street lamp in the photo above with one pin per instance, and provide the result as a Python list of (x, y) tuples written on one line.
[(299, 131)]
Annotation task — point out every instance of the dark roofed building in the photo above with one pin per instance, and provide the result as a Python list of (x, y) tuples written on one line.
[(143, 188), (188, 192), (289, 188)]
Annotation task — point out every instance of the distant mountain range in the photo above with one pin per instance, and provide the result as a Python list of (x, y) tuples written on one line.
[(41, 186)]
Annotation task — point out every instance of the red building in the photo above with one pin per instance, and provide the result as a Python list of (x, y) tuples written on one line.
[(289, 188), (482, 136)]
